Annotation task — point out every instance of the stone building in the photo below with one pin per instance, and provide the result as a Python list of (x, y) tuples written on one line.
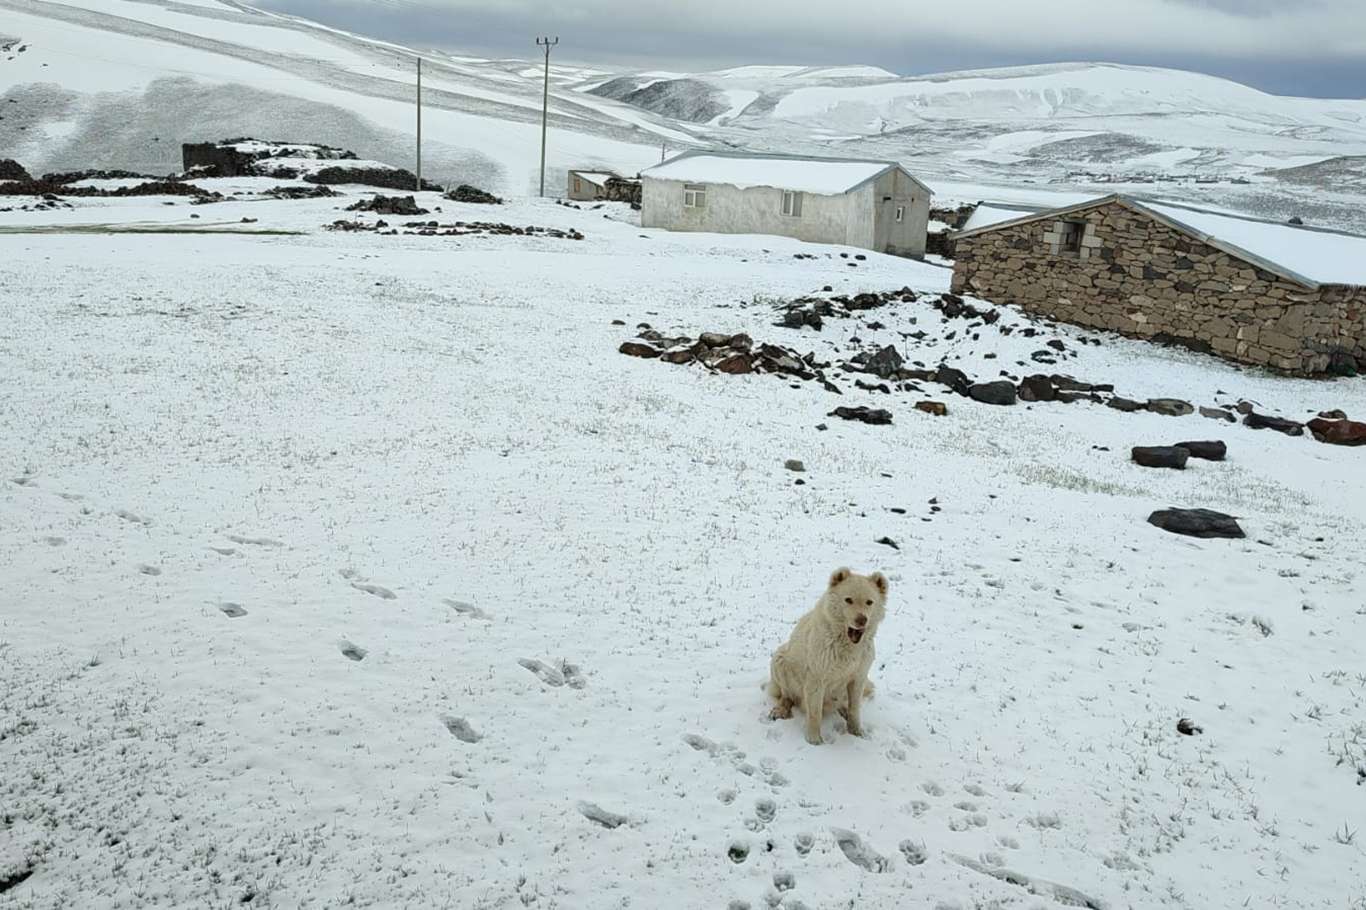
[(1257, 292), (876, 205)]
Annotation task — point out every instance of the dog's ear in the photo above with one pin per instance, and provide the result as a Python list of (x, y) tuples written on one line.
[(880, 581), (838, 576)]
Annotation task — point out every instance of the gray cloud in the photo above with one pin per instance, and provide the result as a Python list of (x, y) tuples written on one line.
[(1310, 47)]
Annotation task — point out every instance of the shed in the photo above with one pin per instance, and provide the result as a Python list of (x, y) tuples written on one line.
[(588, 186), (875, 205), (1261, 292)]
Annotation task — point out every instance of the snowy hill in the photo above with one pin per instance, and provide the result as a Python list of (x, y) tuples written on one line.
[(121, 83)]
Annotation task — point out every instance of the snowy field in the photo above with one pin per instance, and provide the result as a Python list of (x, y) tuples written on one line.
[(351, 569)]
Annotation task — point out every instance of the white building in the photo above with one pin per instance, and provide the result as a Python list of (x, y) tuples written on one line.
[(876, 205), (588, 186)]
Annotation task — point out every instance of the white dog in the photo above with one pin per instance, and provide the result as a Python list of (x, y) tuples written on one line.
[(825, 663)]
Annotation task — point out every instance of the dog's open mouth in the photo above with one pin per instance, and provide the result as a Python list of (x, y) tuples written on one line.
[(855, 635)]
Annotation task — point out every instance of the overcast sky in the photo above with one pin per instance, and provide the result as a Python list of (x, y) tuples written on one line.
[(1302, 47)]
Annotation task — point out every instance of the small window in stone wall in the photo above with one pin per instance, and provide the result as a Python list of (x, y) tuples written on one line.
[(1073, 239), (1072, 232), (694, 196)]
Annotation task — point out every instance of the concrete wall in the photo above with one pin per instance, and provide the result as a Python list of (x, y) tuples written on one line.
[(1139, 277), (908, 237), (757, 210)]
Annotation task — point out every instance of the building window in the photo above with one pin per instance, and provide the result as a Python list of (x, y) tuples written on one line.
[(900, 213), (792, 204), (578, 184), (1072, 232), (694, 196)]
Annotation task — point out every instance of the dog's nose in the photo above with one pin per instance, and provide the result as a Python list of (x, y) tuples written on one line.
[(860, 621)]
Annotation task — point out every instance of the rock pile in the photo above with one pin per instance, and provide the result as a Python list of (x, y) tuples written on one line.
[(466, 193), (301, 192), (388, 205), (728, 354), (456, 229), (12, 170)]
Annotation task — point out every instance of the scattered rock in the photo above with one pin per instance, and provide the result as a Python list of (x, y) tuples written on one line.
[(1000, 392), (1037, 388), (1171, 407), (1186, 727), (937, 408), (1197, 523), (863, 415), (888, 542), (600, 816), (1218, 414), (885, 363), (954, 379), (793, 464), (1333, 415), (1209, 450), (1279, 424), (637, 349), (1338, 432), (1127, 405), (738, 362), (1161, 456)]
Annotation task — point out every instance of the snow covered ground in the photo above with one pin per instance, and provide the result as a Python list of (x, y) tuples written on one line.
[(300, 533)]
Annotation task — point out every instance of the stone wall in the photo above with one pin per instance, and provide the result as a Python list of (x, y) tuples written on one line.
[(1111, 267)]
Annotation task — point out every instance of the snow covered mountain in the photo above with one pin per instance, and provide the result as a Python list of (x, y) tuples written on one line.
[(120, 83)]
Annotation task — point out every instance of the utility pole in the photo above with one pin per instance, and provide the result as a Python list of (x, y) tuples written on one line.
[(419, 124), (545, 102)]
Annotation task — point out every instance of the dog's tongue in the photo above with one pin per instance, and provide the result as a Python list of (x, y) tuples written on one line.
[(855, 635)]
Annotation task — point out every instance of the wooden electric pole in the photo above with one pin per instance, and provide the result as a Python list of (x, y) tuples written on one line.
[(547, 43), (419, 124)]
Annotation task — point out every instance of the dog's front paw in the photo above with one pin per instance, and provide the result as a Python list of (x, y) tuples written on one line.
[(857, 730), (814, 738)]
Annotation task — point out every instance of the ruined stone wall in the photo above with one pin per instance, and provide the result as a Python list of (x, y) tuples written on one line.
[(1134, 275)]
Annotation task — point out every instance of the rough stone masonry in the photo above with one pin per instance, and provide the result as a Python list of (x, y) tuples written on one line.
[(1128, 272)]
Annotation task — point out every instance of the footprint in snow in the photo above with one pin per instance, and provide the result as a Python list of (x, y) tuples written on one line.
[(548, 675), (134, 518), (379, 591), (255, 541), (600, 816), (461, 729), (765, 810), (71, 497), (466, 609), (975, 789), (354, 652), (738, 851), (232, 610), (148, 570), (700, 743), (54, 541), (804, 843), (784, 881), (915, 853), (932, 788), (224, 551), (859, 853)]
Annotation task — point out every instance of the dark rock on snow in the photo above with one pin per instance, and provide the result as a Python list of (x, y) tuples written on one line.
[(638, 349), (885, 362), (863, 415), (1279, 424), (466, 193), (1338, 432), (1209, 450), (936, 408), (1197, 523), (1172, 407), (1161, 456), (999, 392), (1127, 405), (1218, 414)]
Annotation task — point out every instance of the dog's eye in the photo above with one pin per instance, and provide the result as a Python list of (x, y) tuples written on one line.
[(870, 603), (849, 600)]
